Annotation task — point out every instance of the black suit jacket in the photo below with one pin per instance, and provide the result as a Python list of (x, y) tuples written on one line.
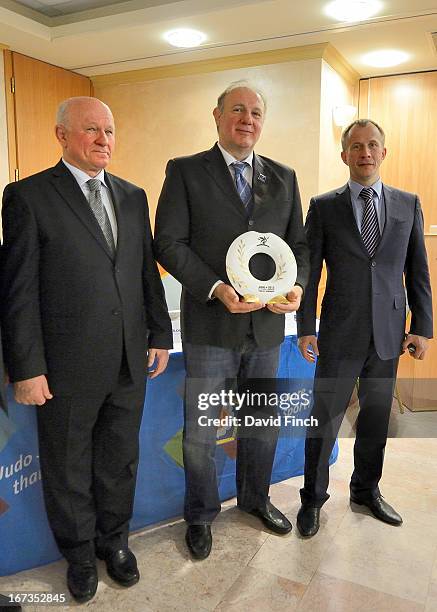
[(3, 403), (199, 215), (68, 306), (366, 295)]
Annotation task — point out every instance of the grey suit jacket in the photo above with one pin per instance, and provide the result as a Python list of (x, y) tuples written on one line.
[(199, 215), (364, 292)]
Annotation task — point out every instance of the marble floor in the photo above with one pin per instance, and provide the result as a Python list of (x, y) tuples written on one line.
[(355, 563)]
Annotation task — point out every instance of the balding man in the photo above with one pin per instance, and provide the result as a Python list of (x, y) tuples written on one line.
[(207, 201), (82, 305)]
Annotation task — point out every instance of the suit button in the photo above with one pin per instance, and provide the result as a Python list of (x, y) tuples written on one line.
[(251, 222), (116, 312), (373, 264), (116, 269)]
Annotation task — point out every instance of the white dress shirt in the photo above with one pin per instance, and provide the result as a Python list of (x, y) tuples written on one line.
[(248, 175), (82, 178)]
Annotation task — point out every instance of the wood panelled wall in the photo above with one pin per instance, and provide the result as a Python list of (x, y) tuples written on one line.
[(31, 109), (406, 108)]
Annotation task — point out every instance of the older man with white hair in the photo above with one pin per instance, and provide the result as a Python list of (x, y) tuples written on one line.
[(82, 306)]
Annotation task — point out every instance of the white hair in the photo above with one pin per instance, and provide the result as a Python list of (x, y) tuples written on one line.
[(244, 84), (62, 115)]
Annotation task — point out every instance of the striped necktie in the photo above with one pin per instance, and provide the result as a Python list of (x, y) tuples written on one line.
[(243, 187), (369, 225), (99, 211)]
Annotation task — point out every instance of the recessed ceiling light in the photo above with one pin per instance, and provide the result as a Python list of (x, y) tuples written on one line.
[(386, 58), (353, 10), (184, 37)]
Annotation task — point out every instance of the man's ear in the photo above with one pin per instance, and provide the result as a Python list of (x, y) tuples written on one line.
[(344, 157), (216, 114), (384, 153), (60, 134)]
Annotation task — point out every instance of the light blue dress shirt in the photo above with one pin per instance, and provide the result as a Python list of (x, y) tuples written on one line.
[(358, 203)]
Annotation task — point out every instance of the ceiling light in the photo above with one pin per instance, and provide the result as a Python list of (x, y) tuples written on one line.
[(184, 37), (353, 10), (385, 59)]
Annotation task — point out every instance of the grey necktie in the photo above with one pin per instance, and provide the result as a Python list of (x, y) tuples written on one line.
[(243, 187), (96, 204), (369, 225)]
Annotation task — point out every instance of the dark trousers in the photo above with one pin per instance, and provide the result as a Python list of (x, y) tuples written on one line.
[(335, 379), (211, 369), (89, 456)]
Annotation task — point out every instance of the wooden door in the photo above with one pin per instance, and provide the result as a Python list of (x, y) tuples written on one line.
[(38, 90), (406, 108)]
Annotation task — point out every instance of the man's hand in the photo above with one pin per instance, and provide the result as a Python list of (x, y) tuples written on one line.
[(294, 296), (308, 347), (161, 358), (229, 297), (32, 391), (419, 342)]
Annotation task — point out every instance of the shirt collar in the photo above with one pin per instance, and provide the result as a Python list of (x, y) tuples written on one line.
[(356, 188), (230, 159), (81, 176)]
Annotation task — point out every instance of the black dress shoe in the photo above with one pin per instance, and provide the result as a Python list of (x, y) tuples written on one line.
[(82, 580), (199, 540), (380, 509), (121, 566), (272, 518), (308, 520)]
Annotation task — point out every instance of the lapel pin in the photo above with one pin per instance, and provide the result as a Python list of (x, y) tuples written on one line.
[(262, 177)]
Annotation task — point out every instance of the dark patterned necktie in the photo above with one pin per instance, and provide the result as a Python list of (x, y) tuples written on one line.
[(243, 187), (369, 225), (99, 211)]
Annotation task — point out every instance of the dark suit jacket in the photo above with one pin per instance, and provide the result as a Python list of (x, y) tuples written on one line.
[(2, 376), (68, 307), (199, 215), (366, 295)]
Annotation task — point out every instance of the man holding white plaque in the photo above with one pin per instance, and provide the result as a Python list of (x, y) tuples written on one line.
[(207, 201)]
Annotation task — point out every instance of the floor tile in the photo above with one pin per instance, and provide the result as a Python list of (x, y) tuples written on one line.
[(258, 591), (329, 594)]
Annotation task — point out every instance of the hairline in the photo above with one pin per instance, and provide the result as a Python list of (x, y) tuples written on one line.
[(241, 84), (360, 123), (64, 108)]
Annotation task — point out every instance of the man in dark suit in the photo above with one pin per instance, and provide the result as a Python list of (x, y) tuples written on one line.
[(371, 237), (82, 304), (207, 200)]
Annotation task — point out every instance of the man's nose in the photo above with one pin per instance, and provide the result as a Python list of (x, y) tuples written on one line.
[(246, 117), (102, 136)]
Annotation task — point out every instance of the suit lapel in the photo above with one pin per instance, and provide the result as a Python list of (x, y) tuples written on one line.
[(347, 217), (390, 202), (67, 187), (216, 167), (117, 195), (261, 180)]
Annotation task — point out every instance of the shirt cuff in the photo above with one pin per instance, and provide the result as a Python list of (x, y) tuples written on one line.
[(219, 282)]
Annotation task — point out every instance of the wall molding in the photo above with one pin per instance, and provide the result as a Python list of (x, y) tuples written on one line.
[(324, 51)]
